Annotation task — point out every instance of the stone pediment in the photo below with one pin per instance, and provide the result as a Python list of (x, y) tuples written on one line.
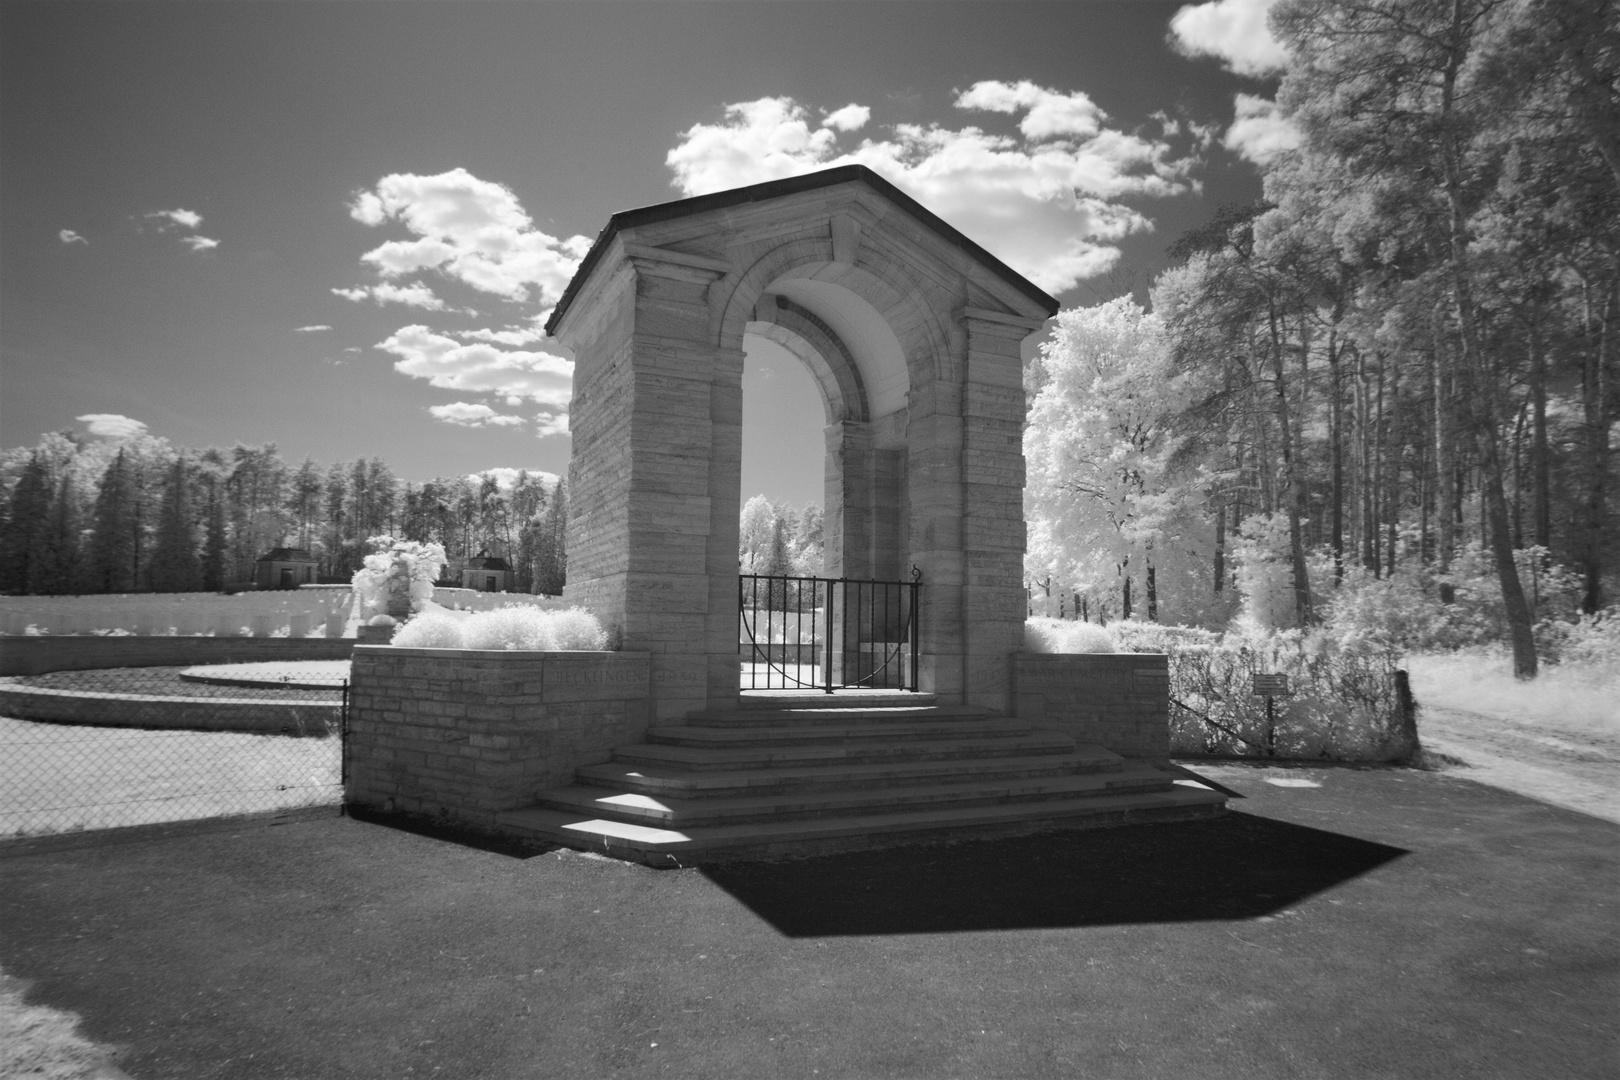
[(716, 233)]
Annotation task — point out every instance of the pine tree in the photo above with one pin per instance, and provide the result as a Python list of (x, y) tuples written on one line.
[(552, 561), (54, 568), (174, 566), (30, 500), (216, 547), (111, 563)]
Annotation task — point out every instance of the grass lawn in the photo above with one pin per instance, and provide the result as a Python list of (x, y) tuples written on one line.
[(1338, 924)]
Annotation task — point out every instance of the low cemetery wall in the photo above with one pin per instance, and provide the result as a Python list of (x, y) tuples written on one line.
[(297, 613), (1117, 700), (461, 735), (40, 654), (247, 714)]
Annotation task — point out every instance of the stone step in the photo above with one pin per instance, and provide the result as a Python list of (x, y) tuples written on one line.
[(841, 699), (681, 813), (662, 847), (810, 716), (813, 734), (758, 757), (689, 783)]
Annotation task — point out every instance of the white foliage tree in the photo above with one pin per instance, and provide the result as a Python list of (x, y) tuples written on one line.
[(756, 531), (1105, 500)]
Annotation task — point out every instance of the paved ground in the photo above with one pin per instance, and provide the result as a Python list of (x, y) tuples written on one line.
[(1383, 923)]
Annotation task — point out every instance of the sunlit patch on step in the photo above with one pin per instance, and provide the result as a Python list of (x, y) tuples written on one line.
[(619, 830), (640, 802), (1290, 781)]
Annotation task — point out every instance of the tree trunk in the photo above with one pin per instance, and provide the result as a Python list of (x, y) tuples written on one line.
[(1293, 473), (1397, 442), (1336, 436), (1540, 465), (1595, 417), (1501, 540), (1445, 464)]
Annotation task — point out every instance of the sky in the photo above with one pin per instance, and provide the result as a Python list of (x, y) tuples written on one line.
[(338, 226)]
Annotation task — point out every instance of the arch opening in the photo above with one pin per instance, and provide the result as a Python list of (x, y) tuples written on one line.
[(864, 502)]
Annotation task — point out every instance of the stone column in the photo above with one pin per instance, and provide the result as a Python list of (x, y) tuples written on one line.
[(993, 531), (657, 467), (934, 483), (846, 518)]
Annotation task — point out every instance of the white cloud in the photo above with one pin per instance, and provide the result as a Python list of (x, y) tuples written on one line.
[(471, 415), (1234, 31), (68, 236), (481, 367), (1049, 114), (311, 329), (1043, 203), (851, 117), (112, 425), (188, 219), (506, 478), (170, 220), (551, 424), (510, 335), (413, 295), (469, 230), (1260, 132)]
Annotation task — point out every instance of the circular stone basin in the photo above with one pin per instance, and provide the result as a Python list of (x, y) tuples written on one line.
[(289, 674)]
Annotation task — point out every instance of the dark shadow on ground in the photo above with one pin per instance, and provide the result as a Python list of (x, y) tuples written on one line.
[(451, 834), (1236, 866)]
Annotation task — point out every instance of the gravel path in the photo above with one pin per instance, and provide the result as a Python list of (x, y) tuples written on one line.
[(1573, 769)]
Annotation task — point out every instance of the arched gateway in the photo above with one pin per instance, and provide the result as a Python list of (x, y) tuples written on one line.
[(912, 332)]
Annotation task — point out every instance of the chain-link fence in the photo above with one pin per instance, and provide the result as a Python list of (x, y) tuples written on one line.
[(136, 746)]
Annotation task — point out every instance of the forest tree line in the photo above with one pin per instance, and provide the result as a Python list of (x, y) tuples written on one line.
[(1404, 354), (108, 515)]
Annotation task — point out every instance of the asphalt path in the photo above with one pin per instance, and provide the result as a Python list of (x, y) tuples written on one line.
[(1338, 922)]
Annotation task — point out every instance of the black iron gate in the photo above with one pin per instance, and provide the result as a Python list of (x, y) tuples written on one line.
[(810, 633)]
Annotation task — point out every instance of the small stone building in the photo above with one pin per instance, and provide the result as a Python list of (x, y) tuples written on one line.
[(284, 568), (486, 573)]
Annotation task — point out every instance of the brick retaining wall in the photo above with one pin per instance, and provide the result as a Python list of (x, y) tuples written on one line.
[(40, 654), (1117, 700), (463, 734)]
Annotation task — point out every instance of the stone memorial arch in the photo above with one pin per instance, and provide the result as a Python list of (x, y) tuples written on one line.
[(913, 333)]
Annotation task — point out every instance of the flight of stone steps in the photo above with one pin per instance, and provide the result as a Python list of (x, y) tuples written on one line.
[(804, 774)]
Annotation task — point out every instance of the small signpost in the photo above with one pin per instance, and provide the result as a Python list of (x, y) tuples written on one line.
[(1270, 687)]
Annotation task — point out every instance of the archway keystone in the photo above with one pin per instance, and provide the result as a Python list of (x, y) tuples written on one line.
[(911, 330)]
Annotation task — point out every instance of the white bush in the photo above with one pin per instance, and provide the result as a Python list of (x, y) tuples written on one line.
[(1044, 635), (431, 630), (576, 628), (517, 627)]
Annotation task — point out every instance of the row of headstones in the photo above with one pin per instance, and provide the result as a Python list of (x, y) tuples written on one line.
[(289, 614), (474, 600)]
